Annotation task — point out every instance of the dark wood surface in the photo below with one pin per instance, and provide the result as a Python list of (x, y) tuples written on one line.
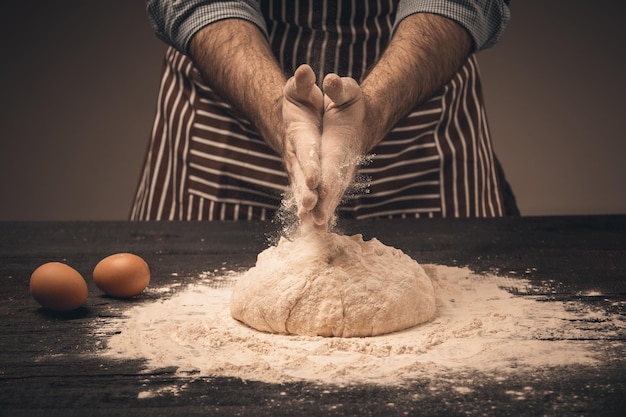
[(47, 365)]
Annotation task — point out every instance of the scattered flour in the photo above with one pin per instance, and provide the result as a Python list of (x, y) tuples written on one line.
[(478, 325)]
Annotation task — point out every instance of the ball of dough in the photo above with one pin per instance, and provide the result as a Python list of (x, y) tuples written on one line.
[(325, 284)]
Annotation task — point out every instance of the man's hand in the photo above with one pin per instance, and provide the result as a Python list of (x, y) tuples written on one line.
[(343, 142), (302, 117), (323, 142), (425, 51)]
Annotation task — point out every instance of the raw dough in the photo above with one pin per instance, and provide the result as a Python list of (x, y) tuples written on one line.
[(333, 285)]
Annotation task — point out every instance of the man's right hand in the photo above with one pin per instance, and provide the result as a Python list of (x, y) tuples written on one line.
[(344, 141)]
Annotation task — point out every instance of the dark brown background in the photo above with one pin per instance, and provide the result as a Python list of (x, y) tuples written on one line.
[(79, 82)]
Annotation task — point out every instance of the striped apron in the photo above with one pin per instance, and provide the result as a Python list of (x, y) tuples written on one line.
[(205, 162)]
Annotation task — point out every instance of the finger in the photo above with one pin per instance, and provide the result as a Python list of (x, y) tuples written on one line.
[(329, 198), (330, 191), (341, 90), (304, 78), (333, 87), (338, 171), (301, 89), (308, 201), (306, 197), (306, 145)]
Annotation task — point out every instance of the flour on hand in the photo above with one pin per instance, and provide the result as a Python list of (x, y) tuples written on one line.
[(325, 284)]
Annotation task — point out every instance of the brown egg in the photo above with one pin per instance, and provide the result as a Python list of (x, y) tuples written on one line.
[(57, 286), (122, 275)]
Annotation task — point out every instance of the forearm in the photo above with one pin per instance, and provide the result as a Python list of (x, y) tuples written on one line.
[(235, 59), (424, 53)]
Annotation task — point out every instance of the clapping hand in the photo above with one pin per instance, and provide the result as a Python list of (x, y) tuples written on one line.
[(324, 140)]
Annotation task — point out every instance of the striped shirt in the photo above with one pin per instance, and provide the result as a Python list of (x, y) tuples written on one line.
[(207, 163)]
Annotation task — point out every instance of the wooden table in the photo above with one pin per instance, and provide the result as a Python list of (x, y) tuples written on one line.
[(44, 369)]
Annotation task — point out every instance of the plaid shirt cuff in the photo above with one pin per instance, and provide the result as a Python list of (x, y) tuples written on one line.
[(177, 22), (484, 20)]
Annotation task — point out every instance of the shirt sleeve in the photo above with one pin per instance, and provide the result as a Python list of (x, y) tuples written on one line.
[(484, 20), (176, 21)]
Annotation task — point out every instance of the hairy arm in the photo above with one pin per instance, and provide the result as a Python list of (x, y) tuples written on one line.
[(235, 59), (424, 53)]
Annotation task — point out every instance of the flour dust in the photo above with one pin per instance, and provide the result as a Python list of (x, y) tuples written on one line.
[(479, 325)]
